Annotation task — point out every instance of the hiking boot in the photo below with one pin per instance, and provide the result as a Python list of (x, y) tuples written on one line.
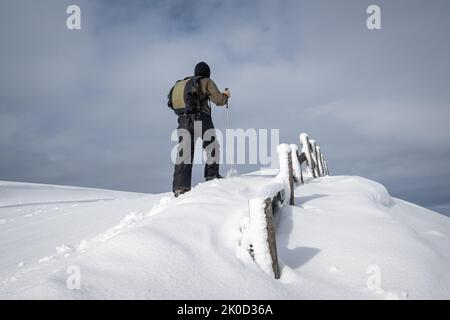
[(213, 177), (180, 191)]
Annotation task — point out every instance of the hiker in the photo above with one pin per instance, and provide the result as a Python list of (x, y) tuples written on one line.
[(191, 114)]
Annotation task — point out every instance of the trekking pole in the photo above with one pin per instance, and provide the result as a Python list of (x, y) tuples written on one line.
[(230, 172), (228, 113)]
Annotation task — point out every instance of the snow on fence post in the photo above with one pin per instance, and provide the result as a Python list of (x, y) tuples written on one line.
[(296, 164), (301, 158), (322, 160), (306, 149), (261, 232), (319, 161), (286, 170), (325, 165), (314, 158)]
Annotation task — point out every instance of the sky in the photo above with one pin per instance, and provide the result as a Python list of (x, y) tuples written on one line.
[(88, 107)]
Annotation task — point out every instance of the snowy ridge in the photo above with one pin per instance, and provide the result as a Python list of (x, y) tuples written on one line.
[(346, 238), (17, 194)]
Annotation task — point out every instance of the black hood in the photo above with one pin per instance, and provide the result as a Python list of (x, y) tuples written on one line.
[(202, 70)]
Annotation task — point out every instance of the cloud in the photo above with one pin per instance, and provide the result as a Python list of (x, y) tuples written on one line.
[(88, 107)]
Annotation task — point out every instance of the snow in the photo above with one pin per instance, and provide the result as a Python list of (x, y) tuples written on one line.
[(346, 238), (38, 218), (17, 194), (283, 155)]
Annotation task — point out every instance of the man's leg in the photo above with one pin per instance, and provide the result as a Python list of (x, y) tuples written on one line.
[(212, 148), (185, 154)]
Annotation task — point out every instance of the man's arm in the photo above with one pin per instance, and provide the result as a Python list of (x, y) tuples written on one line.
[(219, 98)]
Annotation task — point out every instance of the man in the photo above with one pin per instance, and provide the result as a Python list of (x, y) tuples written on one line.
[(183, 167)]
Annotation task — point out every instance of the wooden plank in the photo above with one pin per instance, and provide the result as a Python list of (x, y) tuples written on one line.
[(271, 237), (291, 180), (301, 159), (277, 204)]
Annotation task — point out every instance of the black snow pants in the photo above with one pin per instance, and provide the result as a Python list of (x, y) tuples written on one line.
[(189, 128)]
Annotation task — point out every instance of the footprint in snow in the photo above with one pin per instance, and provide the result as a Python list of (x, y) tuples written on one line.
[(46, 259), (163, 202), (333, 269), (65, 250)]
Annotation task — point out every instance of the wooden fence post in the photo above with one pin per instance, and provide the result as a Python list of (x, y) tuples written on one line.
[(271, 238), (314, 157), (296, 164), (319, 160), (301, 159), (291, 180), (286, 170), (325, 165), (306, 148)]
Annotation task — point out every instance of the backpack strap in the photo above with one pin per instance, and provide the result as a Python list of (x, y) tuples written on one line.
[(201, 95)]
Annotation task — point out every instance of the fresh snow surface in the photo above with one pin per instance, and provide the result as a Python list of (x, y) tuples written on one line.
[(346, 238)]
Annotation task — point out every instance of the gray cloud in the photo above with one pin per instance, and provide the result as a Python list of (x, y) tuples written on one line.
[(88, 107)]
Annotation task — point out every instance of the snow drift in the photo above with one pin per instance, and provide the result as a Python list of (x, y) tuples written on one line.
[(346, 238)]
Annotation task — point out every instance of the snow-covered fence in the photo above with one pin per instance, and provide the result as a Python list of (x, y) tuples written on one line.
[(291, 160), (313, 156), (307, 150), (259, 230)]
